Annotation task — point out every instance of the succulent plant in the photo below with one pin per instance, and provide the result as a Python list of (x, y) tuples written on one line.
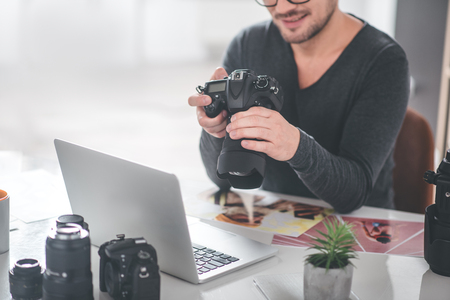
[(335, 247)]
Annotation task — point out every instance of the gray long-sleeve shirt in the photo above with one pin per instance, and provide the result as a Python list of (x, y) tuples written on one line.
[(348, 120)]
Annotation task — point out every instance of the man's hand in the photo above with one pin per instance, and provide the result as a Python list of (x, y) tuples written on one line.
[(274, 135), (213, 126)]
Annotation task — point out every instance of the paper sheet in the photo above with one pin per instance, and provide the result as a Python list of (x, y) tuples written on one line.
[(371, 235), (257, 209), (10, 163), (280, 286), (36, 195)]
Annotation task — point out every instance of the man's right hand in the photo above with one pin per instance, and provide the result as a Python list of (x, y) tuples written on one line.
[(213, 126)]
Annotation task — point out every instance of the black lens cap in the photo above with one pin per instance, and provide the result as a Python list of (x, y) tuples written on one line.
[(66, 219)]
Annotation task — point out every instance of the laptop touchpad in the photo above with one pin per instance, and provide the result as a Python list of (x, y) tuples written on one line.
[(207, 234)]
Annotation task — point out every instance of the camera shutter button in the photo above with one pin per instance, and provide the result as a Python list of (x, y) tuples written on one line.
[(143, 255), (144, 273)]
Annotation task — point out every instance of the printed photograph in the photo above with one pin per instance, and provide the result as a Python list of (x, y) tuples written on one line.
[(372, 235), (260, 211)]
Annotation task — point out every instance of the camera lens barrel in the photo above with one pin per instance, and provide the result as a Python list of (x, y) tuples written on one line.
[(68, 255), (25, 280), (437, 242), (243, 168)]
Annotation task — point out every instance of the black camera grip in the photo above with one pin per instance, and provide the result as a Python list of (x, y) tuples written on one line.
[(213, 110), (103, 259)]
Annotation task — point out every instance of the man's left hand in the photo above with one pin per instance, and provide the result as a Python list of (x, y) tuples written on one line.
[(274, 135)]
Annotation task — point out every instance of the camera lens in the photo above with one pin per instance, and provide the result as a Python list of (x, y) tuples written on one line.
[(25, 280), (68, 255), (242, 168)]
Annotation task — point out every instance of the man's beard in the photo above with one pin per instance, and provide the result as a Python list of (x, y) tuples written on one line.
[(311, 32)]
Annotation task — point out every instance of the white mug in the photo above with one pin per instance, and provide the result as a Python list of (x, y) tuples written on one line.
[(4, 221)]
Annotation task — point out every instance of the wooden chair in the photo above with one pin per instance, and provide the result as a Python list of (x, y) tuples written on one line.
[(413, 156)]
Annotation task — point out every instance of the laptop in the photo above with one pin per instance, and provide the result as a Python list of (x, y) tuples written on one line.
[(116, 196)]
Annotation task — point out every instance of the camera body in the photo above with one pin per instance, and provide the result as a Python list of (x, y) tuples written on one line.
[(129, 269), (238, 92)]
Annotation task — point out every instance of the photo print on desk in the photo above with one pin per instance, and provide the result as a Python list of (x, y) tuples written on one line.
[(372, 235), (258, 210)]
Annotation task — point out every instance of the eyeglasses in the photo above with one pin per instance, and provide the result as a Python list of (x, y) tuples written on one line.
[(272, 3)]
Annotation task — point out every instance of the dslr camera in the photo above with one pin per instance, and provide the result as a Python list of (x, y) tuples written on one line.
[(129, 269), (437, 220), (240, 91)]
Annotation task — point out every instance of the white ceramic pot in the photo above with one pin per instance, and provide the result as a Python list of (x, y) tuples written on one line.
[(335, 284)]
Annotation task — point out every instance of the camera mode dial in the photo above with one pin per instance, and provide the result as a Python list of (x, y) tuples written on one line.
[(261, 82)]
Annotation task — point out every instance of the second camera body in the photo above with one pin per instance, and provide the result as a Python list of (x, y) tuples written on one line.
[(129, 269), (437, 220)]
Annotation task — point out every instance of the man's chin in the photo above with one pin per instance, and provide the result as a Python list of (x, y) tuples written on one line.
[(294, 38), (297, 36), (291, 35)]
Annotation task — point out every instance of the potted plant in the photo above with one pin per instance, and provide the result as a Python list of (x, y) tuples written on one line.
[(328, 273)]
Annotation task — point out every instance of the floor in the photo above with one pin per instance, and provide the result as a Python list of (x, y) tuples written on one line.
[(140, 114)]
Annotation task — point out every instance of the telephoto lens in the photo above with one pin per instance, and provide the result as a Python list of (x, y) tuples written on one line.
[(25, 280), (68, 257)]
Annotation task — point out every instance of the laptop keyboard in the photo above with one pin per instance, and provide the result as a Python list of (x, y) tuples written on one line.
[(208, 259)]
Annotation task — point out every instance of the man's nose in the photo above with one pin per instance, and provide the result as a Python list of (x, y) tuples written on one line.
[(284, 6)]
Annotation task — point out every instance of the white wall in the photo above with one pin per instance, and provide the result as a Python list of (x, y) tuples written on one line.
[(86, 33), (115, 75), (379, 13)]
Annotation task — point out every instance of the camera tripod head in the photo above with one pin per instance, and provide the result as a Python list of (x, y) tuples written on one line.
[(441, 178)]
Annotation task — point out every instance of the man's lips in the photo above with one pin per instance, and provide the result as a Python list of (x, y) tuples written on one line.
[(293, 22)]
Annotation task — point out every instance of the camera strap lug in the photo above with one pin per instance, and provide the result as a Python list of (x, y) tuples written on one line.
[(200, 89)]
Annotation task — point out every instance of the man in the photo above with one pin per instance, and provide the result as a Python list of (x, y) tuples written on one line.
[(346, 88)]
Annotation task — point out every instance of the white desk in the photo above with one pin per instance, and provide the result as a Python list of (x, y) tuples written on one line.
[(377, 276)]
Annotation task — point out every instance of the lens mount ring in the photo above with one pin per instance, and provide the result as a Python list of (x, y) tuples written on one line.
[(27, 263)]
